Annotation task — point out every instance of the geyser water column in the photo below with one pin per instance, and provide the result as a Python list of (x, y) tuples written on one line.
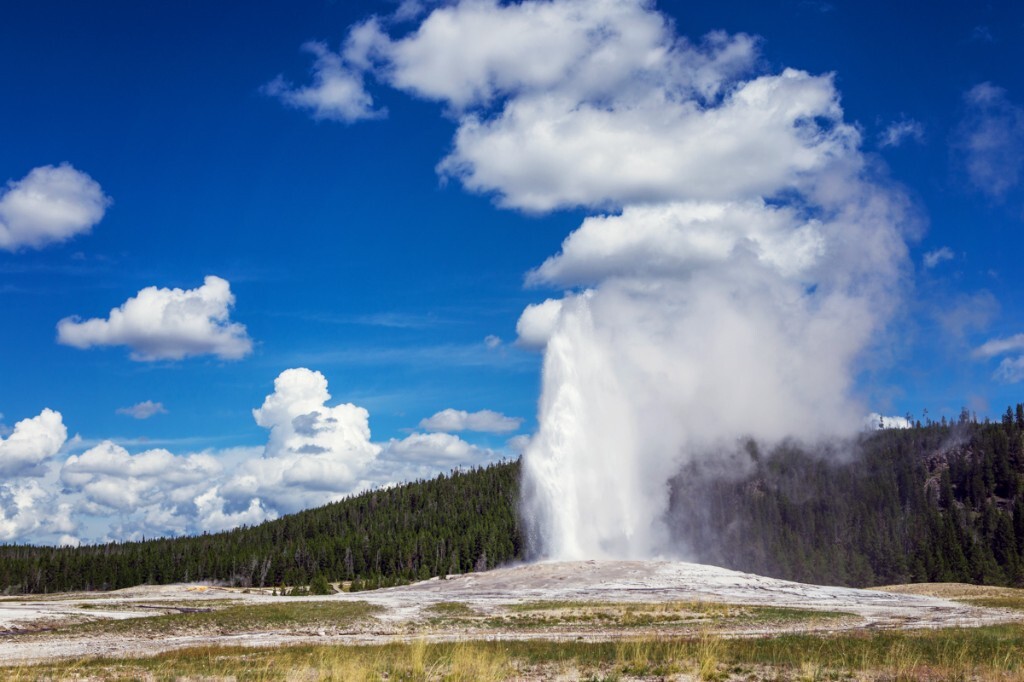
[(700, 325)]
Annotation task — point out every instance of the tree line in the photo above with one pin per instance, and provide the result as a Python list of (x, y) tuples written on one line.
[(455, 523), (940, 501)]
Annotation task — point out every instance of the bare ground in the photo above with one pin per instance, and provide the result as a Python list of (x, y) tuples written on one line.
[(587, 600)]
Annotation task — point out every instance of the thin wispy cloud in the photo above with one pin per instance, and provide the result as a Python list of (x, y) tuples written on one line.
[(337, 91), (940, 255), (439, 355), (901, 131), (990, 140), (143, 410)]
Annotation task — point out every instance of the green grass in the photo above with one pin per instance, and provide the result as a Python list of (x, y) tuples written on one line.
[(995, 652), (450, 608), (235, 619), (683, 614), (1014, 602)]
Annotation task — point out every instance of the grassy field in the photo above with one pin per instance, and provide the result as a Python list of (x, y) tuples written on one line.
[(684, 617), (234, 618), (678, 640), (987, 653)]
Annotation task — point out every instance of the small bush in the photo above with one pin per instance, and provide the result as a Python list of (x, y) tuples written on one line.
[(320, 586)]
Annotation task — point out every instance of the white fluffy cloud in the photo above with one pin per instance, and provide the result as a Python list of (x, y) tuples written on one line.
[(143, 410), (337, 91), (315, 453), (550, 151), (991, 140), (22, 508), (600, 103), (49, 205), (435, 449), (485, 421), (537, 323), (677, 239), (25, 500), (108, 476), (32, 442), (424, 455), (166, 324)]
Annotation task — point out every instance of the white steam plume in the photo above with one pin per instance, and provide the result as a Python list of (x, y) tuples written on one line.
[(745, 259)]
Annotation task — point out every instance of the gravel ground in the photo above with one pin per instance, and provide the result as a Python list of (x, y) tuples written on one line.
[(30, 628)]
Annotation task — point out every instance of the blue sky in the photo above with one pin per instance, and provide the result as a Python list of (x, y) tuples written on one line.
[(347, 252)]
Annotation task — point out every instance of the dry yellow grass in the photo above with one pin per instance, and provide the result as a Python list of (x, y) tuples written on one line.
[(954, 591)]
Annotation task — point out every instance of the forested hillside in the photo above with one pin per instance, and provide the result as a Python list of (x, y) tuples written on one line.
[(457, 523), (939, 502)]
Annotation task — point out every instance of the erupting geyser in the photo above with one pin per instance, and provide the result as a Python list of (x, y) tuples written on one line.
[(751, 261), (744, 256)]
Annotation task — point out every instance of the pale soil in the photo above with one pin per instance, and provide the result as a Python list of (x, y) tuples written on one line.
[(406, 612)]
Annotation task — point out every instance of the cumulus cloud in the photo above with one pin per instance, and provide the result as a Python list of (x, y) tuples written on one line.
[(898, 132), (21, 504), (934, 258), (423, 455), (991, 140), (537, 323), (434, 448), (678, 239), (143, 410), (599, 103), (337, 92), (492, 341), (32, 442), (315, 453), (485, 421), (49, 205), (166, 324), (551, 150), (24, 455), (112, 479)]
